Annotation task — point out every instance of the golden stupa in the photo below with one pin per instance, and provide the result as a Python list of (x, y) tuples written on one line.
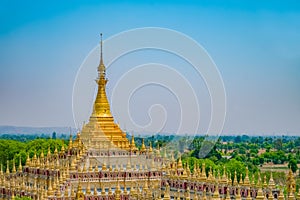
[(101, 164), (101, 126)]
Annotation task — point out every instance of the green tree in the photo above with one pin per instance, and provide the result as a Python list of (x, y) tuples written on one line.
[(206, 150), (278, 144), (242, 149), (235, 166), (13, 150), (261, 160), (293, 165), (238, 139), (54, 135)]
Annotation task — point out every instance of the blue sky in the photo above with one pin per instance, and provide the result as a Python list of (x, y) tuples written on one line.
[(255, 44)]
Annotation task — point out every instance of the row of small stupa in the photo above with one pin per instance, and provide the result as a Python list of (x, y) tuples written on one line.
[(30, 180)]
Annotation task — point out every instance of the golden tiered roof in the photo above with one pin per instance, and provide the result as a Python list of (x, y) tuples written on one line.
[(101, 131)]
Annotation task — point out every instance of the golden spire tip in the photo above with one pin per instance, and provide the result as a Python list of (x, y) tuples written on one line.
[(101, 54)]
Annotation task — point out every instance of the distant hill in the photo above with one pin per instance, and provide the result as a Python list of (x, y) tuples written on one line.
[(35, 130)]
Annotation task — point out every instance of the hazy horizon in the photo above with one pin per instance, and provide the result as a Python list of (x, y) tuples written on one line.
[(65, 130)]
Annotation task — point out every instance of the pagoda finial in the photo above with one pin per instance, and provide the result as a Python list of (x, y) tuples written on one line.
[(49, 152), (62, 150), (7, 168), (101, 68), (235, 182), (55, 150), (79, 193), (27, 160), (14, 167), (70, 141), (95, 190), (179, 163), (101, 54), (50, 190), (271, 181), (246, 179), (133, 147), (203, 172), (103, 190), (150, 148), (167, 192), (143, 148), (42, 154), (157, 150), (88, 189), (216, 194)]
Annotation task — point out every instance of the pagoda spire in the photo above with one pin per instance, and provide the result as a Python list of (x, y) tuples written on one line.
[(101, 67), (101, 54), (133, 146), (101, 105), (7, 168), (14, 167)]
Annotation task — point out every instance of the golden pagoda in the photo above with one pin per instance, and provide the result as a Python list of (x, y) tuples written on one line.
[(101, 131), (94, 165)]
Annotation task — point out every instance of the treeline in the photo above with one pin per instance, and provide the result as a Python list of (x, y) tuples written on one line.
[(12, 150), (252, 151), (28, 137), (235, 153)]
